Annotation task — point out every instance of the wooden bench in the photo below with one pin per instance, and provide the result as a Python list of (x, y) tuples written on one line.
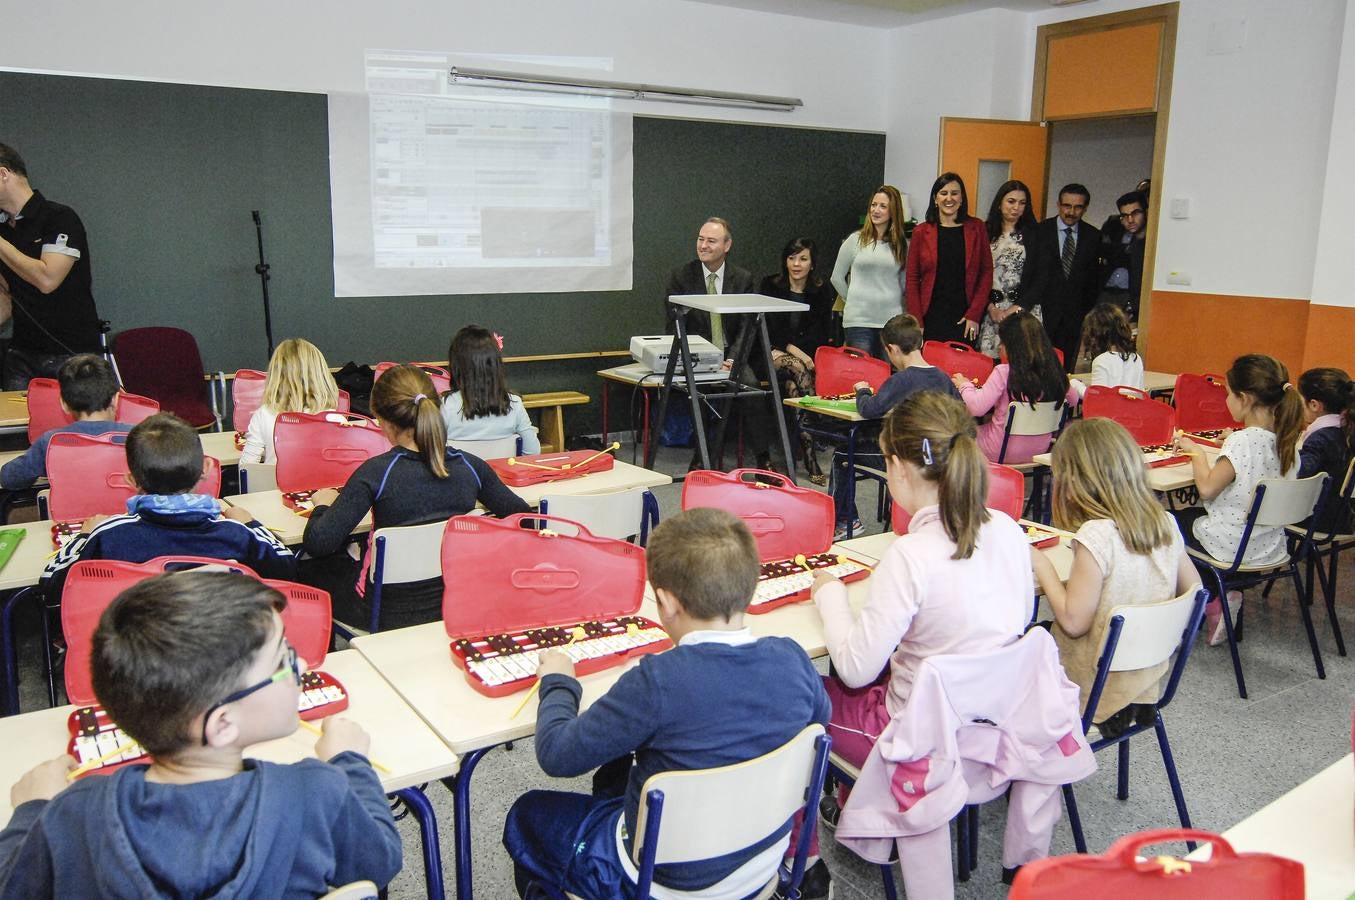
[(552, 405)]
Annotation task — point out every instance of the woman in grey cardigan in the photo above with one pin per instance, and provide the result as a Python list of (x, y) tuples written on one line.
[(869, 272)]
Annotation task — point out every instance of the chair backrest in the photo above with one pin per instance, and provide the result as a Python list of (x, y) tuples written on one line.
[(1143, 635), (246, 396), (314, 452), (441, 378), (164, 364), (494, 448), (258, 477), (1006, 493), (1201, 403), (955, 358), (407, 553), (45, 411), (712, 812), (1148, 421), (89, 473), (837, 369), (618, 514), (1285, 501), (1045, 418)]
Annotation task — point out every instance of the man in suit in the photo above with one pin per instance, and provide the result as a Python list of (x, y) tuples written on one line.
[(1061, 270), (712, 273), (1122, 253)]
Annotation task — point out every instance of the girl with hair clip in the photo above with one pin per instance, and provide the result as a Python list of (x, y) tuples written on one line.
[(1328, 441), (869, 272), (950, 265), (1108, 338), (419, 480), (1008, 216), (958, 582), (1127, 550), (1261, 397), (298, 380), (1031, 374), (479, 406)]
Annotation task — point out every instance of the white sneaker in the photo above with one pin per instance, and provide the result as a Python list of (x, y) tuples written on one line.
[(1216, 630)]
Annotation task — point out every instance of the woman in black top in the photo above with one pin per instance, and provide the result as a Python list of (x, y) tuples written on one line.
[(419, 480), (796, 336)]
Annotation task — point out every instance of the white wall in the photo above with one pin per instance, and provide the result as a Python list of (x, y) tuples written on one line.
[(1108, 156), (1331, 273), (319, 47)]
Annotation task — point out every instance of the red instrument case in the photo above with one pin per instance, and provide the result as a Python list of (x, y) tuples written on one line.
[(792, 525), (521, 471), (517, 585)]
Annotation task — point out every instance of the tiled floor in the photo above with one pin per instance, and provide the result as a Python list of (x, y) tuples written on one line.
[(1234, 755)]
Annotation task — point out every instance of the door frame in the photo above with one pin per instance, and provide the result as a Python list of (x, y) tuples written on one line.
[(1043, 188), (1166, 14)]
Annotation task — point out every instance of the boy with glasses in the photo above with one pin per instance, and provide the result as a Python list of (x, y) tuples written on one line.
[(194, 667)]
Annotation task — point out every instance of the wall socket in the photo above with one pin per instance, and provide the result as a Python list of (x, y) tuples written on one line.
[(1178, 278)]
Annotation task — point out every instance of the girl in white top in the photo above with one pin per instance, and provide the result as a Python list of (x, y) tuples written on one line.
[(869, 272), (1271, 412), (958, 582), (298, 380), (1127, 550), (1108, 338), (479, 406)]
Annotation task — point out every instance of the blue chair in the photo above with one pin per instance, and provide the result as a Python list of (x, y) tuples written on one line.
[(1027, 420), (1327, 546), (1276, 503), (400, 555), (1139, 637), (618, 514)]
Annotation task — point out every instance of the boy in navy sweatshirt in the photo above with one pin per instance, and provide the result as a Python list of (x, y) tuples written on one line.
[(89, 395), (166, 518), (902, 337), (719, 697), (194, 666)]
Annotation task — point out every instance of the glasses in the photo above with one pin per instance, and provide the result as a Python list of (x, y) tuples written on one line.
[(1131, 214), (290, 666)]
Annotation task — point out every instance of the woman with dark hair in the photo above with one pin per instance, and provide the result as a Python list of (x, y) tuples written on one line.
[(795, 336), (950, 266), (869, 271), (1008, 216)]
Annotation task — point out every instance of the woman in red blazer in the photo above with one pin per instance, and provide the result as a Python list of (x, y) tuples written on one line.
[(950, 266)]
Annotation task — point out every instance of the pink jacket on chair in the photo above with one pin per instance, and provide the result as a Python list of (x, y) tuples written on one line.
[(934, 757)]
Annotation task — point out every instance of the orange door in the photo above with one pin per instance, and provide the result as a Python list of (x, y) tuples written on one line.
[(987, 152)]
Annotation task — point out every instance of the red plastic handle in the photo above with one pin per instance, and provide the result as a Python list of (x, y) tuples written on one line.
[(960, 348), (756, 477), (852, 351), (1126, 848), (539, 521)]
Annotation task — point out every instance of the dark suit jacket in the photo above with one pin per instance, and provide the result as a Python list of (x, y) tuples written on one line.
[(1042, 280), (1117, 255), (691, 279)]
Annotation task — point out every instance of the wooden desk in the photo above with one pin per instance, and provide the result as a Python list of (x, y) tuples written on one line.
[(1314, 824), (277, 517), (1162, 478), (875, 546), (13, 410), (31, 556), (854, 420), (220, 444), (1154, 383)]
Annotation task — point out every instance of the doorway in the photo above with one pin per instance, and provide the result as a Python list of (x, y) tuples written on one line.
[(1108, 155)]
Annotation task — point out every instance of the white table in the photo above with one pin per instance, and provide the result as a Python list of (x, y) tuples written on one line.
[(220, 444)]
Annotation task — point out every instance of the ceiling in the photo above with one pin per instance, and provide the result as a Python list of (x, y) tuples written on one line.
[(878, 13)]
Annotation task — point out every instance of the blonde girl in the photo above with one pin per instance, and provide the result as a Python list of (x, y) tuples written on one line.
[(1127, 550), (298, 380)]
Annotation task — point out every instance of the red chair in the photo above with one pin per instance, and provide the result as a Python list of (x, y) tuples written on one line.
[(1006, 493), (1150, 422), (1201, 403), (93, 584), (45, 411), (164, 364), (837, 369), (314, 452), (89, 476), (246, 396), (958, 359), (441, 378)]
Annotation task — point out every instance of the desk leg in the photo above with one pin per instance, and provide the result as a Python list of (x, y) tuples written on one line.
[(417, 803), (460, 788), (851, 478), (644, 395), (605, 392)]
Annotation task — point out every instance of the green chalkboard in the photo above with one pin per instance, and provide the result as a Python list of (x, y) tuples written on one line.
[(165, 177)]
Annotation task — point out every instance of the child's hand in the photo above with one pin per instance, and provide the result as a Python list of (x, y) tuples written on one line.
[(862, 386), (960, 381), (341, 734), (92, 523), (1225, 434), (1186, 445), (42, 782), (555, 662), (238, 513), (820, 579), (325, 497)]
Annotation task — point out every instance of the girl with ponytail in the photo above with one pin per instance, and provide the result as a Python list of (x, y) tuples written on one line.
[(1328, 443), (959, 582), (1262, 398), (419, 480)]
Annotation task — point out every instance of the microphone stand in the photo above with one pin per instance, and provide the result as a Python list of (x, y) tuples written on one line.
[(262, 271)]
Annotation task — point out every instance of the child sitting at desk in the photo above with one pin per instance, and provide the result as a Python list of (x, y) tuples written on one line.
[(479, 406), (719, 697), (298, 380), (166, 518), (902, 337), (419, 480), (194, 667), (89, 395)]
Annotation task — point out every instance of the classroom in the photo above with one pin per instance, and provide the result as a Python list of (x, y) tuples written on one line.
[(166, 130)]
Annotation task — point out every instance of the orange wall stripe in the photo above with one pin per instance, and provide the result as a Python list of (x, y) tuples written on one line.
[(1330, 337), (1100, 72), (1206, 332)]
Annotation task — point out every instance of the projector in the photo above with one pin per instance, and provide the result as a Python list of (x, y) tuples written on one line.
[(652, 351)]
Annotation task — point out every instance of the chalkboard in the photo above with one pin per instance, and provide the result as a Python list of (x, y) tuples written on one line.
[(165, 176)]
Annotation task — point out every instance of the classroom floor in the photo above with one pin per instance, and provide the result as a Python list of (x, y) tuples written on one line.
[(1234, 755)]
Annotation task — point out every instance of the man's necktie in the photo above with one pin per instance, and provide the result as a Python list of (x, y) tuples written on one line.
[(717, 328), (1069, 251)]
